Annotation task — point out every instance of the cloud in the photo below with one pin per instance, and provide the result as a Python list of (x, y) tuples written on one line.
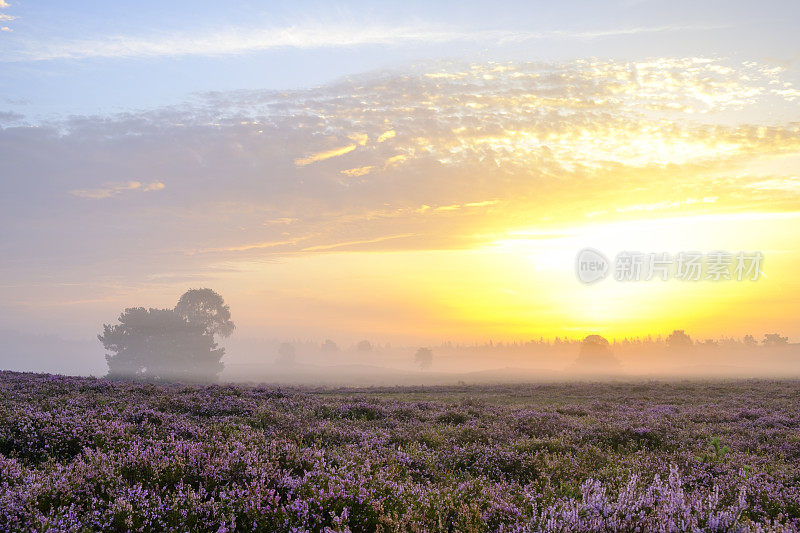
[(154, 186), (3, 17), (352, 244), (788, 184), (321, 156), (386, 135), (3, 4), (358, 171), (112, 189), (477, 150), (240, 40)]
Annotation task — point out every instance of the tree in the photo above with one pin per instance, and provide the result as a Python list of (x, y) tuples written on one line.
[(749, 340), (160, 344), (206, 307), (679, 340), (424, 358), (364, 346), (595, 355), (174, 344), (775, 339), (329, 346)]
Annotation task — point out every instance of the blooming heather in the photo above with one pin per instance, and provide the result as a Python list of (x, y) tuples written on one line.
[(79, 454)]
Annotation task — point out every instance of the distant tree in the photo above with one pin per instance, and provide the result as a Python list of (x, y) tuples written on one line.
[(329, 346), (206, 308), (364, 346), (679, 340), (160, 344), (775, 339), (749, 340), (424, 358), (175, 344), (596, 355), (286, 353)]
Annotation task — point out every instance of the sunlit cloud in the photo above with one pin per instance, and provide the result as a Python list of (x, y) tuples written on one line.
[(385, 136), (321, 156), (359, 138), (444, 156), (465, 178), (789, 184), (358, 171), (113, 189)]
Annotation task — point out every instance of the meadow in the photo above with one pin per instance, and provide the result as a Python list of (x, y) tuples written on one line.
[(82, 454)]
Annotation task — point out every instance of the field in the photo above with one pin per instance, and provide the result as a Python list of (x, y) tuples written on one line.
[(86, 454)]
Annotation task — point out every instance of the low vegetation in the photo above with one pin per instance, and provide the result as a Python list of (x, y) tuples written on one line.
[(80, 454)]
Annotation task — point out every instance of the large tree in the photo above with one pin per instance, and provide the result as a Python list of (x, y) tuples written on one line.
[(168, 344), (206, 308)]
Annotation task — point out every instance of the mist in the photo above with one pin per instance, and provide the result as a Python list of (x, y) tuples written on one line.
[(373, 363)]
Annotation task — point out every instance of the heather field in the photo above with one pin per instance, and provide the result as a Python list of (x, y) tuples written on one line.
[(81, 454)]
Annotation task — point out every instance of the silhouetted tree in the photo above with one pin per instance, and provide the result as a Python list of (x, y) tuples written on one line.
[(749, 340), (364, 346), (206, 308), (286, 354), (775, 339), (329, 346), (424, 358), (679, 340), (595, 355), (175, 344), (160, 344)]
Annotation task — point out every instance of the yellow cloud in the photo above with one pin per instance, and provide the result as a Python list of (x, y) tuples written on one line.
[(359, 138), (321, 156), (455, 207), (155, 186), (358, 171), (385, 136), (395, 159)]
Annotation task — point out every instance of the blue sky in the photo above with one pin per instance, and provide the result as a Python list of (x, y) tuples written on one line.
[(100, 57)]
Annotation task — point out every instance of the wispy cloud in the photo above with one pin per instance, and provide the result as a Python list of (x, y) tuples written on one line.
[(112, 189), (349, 244), (321, 156), (237, 40)]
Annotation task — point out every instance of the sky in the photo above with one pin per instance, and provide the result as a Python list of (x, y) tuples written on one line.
[(407, 172)]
